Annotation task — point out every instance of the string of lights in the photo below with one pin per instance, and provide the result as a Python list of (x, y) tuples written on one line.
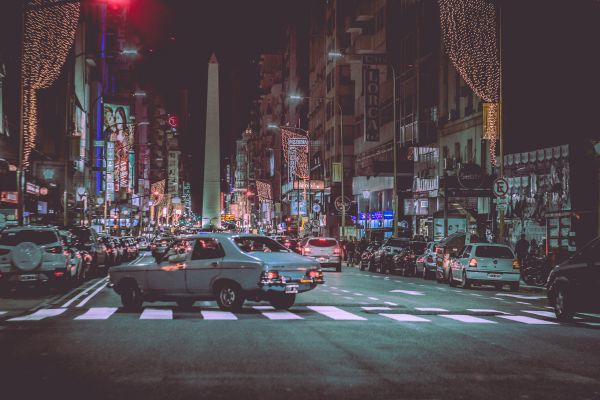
[(470, 40), (295, 156), (264, 191), (158, 190), (49, 34)]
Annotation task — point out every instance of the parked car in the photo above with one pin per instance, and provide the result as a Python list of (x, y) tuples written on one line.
[(444, 250), (143, 243), (426, 263), (228, 268), (77, 269), (574, 284), (383, 258), (325, 250), (112, 252), (485, 263), (293, 245), (32, 255), (160, 245), (405, 262), (132, 246), (89, 238), (365, 257), (120, 249)]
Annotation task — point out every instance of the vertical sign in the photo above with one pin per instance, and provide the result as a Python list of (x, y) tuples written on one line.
[(131, 171), (371, 105), (110, 169), (187, 197), (173, 172)]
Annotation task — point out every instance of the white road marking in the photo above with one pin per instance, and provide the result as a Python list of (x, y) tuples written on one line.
[(405, 318), (207, 303), (362, 302), (468, 319), (324, 284), (527, 320), (336, 313), (376, 308), (591, 315), (83, 292), (333, 287), (221, 315), (523, 302), (95, 292), (431, 309), (40, 314), (348, 298), (156, 313), (550, 308), (336, 294), (476, 294), (592, 323), (498, 298), (358, 294), (276, 315), (520, 296), (345, 291), (3, 312), (410, 292), (390, 303), (373, 298), (541, 313), (96, 313), (483, 310), (441, 288)]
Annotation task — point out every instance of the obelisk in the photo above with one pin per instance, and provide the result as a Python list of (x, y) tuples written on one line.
[(211, 194)]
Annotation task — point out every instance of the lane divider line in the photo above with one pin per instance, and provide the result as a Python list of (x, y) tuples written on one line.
[(83, 292), (91, 295)]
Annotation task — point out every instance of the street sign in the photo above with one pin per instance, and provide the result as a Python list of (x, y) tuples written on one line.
[(345, 203), (316, 207), (297, 141), (500, 187)]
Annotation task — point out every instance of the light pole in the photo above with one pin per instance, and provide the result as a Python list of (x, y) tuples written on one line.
[(367, 196), (297, 97)]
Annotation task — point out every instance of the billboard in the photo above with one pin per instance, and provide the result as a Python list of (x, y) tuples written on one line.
[(118, 131)]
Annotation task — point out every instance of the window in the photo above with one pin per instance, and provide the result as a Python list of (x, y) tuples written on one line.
[(206, 249), (445, 152), (494, 252), (466, 251), (469, 151), (39, 237), (457, 151), (249, 244), (322, 242)]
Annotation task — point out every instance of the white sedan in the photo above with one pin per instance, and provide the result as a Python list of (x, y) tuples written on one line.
[(485, 263), (228, 268)]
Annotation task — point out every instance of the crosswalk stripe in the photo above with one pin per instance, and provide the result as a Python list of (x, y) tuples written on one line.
[(376, 308), (484, 310), (541, 313), (373, 298), (431, 309), (40, 314), (405, 318), (345, 291), (390, 303), (96, 313), (156, 313), (336, 313), (410, 292), (3, 312), (221, 315), (527, 320), (468, 319), (276, 315)]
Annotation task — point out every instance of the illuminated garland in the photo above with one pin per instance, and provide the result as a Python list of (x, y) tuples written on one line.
[(159, 188), (470, 40), (295, 156), (264, 191), (49, 34)]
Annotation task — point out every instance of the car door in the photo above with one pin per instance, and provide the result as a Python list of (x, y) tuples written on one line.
[(461, 261), (205, 265), (166, 277)]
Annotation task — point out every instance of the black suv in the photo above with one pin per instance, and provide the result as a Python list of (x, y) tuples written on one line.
[(574, 284)]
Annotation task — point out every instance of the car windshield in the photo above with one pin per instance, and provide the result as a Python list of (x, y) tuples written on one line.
[(493, 252), (322, 242), (261, 244), (397, 243), (418, 247), (39, 237), (83, 235)]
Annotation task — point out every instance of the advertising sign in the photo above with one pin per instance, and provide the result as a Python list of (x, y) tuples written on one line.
[(110, 168), (173, 172), (118, 131), (371, 105)]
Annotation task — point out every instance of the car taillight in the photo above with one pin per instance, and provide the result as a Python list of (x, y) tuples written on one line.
[(58, 274), (307, 250), (314, 274), (87, 258), (109, 250), (67, 253), (272, 275), (337, 250), (55, 249), (516, 263), (473, 263), (4, 251)]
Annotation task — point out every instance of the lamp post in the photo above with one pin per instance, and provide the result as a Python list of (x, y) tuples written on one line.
[(297, 97), (367, 196)]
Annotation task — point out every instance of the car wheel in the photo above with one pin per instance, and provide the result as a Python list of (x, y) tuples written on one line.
[(229, 296), (466, 282), (185, 304), (514, 287), (131, 298), (562, 305), (451, 279), (282, 301), (338, 268)]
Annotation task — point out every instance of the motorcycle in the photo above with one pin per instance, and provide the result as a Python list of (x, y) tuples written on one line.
[(535, 270)]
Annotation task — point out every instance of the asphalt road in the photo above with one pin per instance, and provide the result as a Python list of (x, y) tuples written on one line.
[(360, 336)]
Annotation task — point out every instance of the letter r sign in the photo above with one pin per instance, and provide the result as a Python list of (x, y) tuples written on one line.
[(500, 187)]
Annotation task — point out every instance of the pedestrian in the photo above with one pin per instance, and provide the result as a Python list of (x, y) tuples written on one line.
[(522, 248), (350, 247), (534, 248)]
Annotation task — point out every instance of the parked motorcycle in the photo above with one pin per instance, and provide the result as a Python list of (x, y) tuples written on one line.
[(535, 270)]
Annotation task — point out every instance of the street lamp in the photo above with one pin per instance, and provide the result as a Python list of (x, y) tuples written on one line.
[(298, 97), (338, 54), (367, 196)]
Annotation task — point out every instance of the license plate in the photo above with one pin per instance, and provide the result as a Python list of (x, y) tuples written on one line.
[(26, 278), (495, 276), (321, 259), (291, 288)]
